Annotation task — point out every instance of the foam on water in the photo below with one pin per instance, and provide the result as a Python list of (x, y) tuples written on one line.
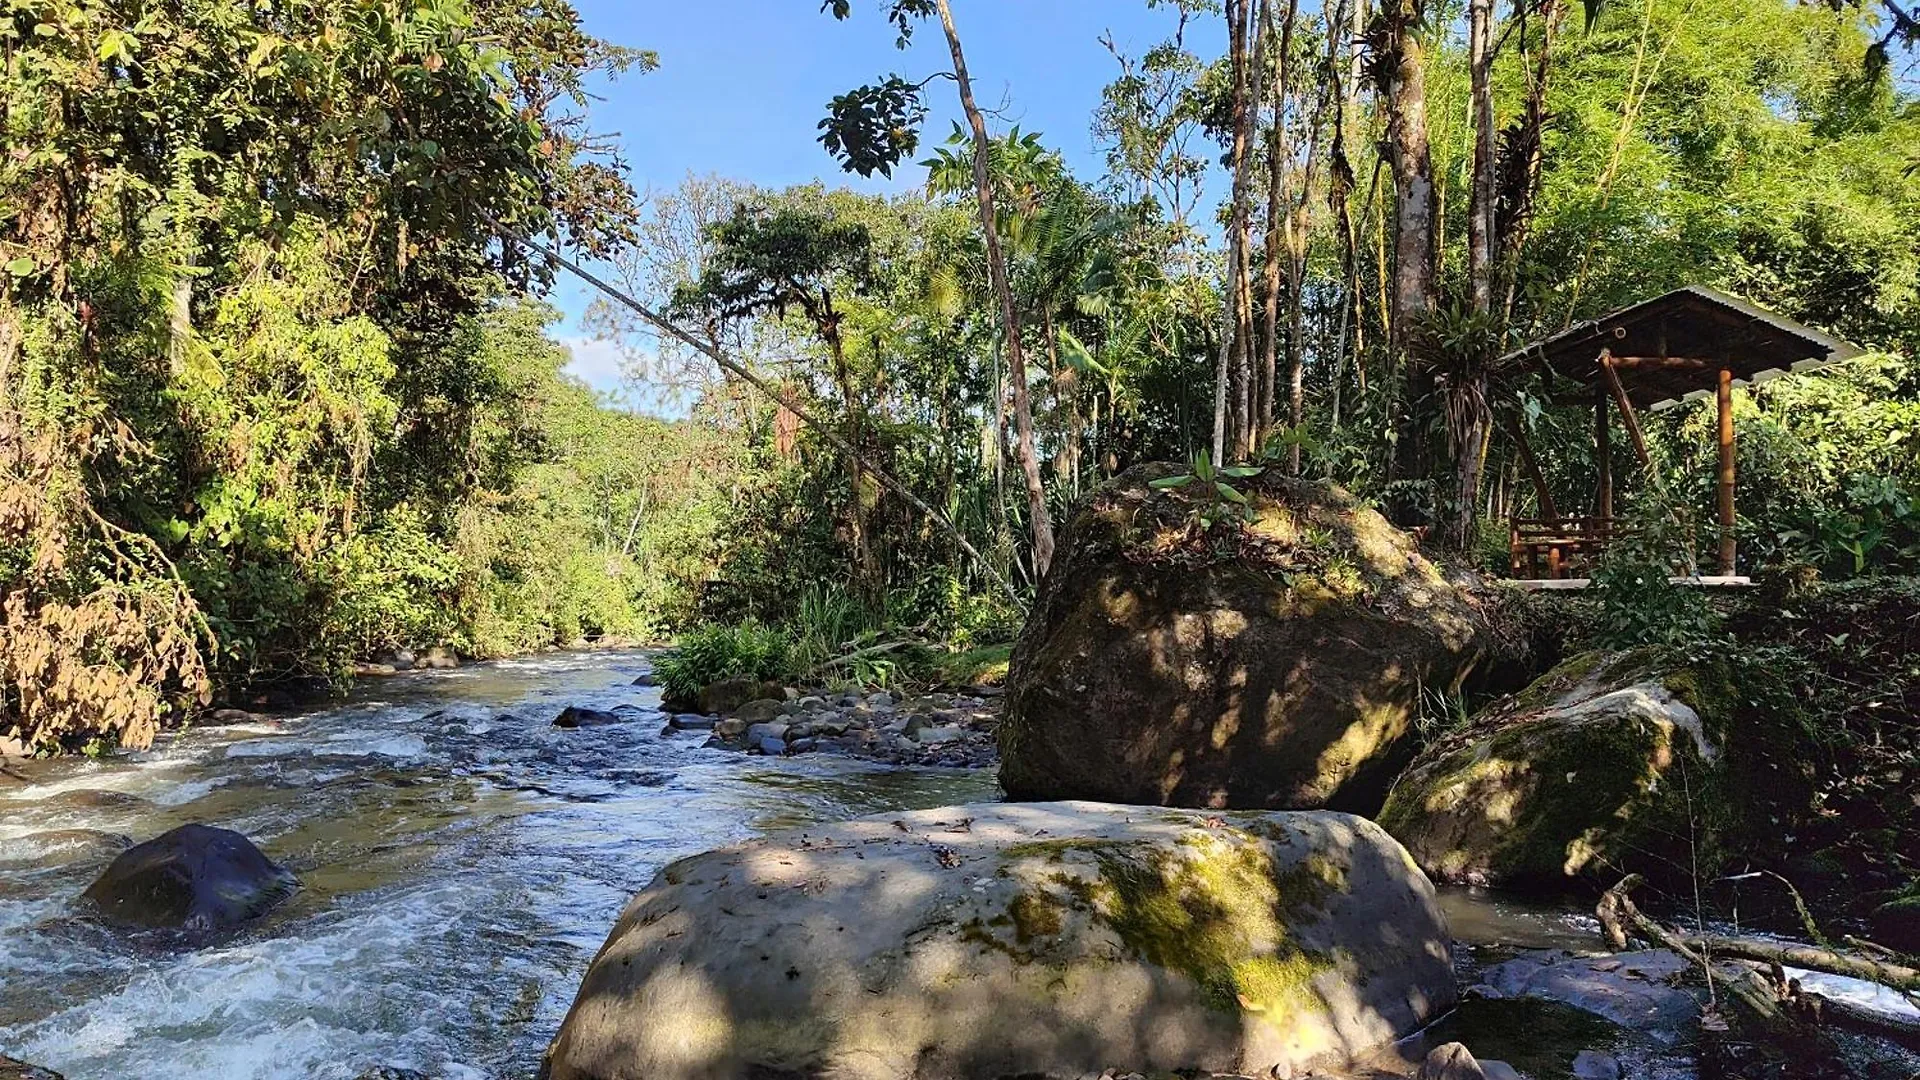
[(461, 860)]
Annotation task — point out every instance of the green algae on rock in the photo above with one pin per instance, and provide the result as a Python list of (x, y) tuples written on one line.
[(1640, 760), (1014, 939)]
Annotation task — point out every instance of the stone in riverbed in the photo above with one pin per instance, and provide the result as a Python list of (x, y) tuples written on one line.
[(771, 746), (20, 1070), (690, 722), (759, 710), (758, 733), (1277, 661), (726, 696), (1593, 770), (194, 877), (730, 728), (997, 939), (928, 736), (1633, 990), (575, 716)]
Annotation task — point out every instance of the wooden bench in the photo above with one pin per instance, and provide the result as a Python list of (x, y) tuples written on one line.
[(1546, 549)]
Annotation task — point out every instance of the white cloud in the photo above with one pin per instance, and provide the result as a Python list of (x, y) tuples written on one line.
[(600, 364)]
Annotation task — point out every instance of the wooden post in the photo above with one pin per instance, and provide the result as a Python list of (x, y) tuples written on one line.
[(1603, 454), (1518, 428), (1725, 401), (1625, 403)]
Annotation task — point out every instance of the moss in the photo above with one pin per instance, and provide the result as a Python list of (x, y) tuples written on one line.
[(1033, 915), (1216, 909)]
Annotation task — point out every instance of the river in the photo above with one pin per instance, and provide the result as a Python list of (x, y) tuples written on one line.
[(461, 859)]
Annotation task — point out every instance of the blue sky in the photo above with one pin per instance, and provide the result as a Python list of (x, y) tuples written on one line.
[(742, 84)]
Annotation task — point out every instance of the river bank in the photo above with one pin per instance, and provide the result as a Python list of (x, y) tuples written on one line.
[(458, 869), (461, 859)]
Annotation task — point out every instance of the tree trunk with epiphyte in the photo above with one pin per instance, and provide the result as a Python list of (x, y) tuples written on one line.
[(1041, 521)]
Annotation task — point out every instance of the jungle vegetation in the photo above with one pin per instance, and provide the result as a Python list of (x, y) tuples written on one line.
[(277, 395)]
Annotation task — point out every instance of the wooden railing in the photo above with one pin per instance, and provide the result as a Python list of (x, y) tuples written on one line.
[(1553, 548)]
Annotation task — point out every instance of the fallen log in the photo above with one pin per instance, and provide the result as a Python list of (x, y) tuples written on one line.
[(1777, 1008)]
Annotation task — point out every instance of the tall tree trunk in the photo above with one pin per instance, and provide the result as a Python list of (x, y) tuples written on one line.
[(1415, 244), (1520, 169), (1415, 291), (1485, 162), (1340, 198), (1279, 156), (866, 575), (1229, 423), (1298, 220), (1041, 521), (1467, 385)]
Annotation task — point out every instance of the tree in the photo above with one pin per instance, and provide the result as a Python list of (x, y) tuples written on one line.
[(870, 129), (773, 260)]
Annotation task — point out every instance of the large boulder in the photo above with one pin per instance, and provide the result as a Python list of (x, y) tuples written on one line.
[(1032, 940), (1610, 762), (1272, 661), (195, 877)]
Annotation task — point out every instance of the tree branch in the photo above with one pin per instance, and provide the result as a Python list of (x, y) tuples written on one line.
[(886, 479)]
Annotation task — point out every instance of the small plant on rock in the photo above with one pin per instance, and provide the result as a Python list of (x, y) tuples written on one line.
[(1208, 494)]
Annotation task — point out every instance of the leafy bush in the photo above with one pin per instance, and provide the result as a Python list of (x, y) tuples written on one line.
[(713, 653), (1639, 603)]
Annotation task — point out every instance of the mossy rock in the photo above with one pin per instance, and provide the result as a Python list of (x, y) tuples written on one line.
[(1613, 762), (1275, 660), (1015, 940)]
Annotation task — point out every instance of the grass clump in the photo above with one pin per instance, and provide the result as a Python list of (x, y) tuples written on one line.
[(713, 653)]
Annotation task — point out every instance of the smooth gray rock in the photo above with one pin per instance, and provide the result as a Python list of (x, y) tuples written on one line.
[(1451, 1061), (195, 877), (757, 733), (690, 722), (1629, 989), (929, 736), (772, 747), (1011, 939), (575, 716)]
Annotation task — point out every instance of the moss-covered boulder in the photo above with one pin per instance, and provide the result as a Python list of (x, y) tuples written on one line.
[(1646, 760), (1051, 939), (1271, 659)]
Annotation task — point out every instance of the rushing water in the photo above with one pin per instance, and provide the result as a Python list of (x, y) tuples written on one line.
[(461, 860)]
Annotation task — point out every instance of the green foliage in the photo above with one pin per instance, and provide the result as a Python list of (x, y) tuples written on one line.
[(1640, 603), (1206, 491), (711, 653)]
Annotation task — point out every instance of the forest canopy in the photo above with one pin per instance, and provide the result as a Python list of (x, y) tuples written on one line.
[(277, 397)]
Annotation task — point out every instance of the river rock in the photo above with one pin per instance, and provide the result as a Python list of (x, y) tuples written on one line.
[(1607, 763), (759, 710), (1633, 990), (1277, 661), (194, 877), (726, 696), (575, 716), (439, 657), (20, 1070), (1006, 939), (690, 722), (1452, 1061)]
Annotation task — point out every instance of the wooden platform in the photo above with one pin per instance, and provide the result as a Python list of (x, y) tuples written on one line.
[(1704, 581)]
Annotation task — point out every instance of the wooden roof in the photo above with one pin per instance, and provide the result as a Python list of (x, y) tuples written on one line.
[(1673, 346)]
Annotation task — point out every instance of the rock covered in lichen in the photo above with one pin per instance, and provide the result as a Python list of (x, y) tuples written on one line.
[(1610, 762), (1271, 660), (1003, 939)]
